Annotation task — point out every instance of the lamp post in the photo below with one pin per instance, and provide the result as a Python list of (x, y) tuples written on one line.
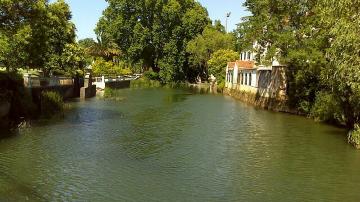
[(227, 17)]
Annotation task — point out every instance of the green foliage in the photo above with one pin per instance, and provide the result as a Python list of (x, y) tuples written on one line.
[(151, 75), (72, 59), (221, 85), (318, 41), (343, 73), (37, 34), (51, 103), (15, 31), (13, 48), (145, 83), (218, 63), (219, 27), (354, 136), (203, 46), (102, 67), (88, 45), (109, 92), (326, 108), (154, 33)]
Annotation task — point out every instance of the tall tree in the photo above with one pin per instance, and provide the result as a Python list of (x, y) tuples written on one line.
[(60, 32), (15, 31), (318, 41), (154, 32), (218, 62), (219, 27), (341, 21), (290, 32), (203, 46), (34, 33)]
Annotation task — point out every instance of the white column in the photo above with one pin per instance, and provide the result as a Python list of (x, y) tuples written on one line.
[(235, 74)]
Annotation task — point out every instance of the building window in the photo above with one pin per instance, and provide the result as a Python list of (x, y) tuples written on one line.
[(238, 78), (250, 79), (249, 55), (245, 78)]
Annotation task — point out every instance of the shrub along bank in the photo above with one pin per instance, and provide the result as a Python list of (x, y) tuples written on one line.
[(51, 103)]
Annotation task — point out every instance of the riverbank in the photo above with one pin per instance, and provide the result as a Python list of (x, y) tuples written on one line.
[(19, 104), (282, 105), (15, 101), (256, 100)]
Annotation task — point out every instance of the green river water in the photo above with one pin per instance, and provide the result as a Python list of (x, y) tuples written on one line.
[(162, 144)]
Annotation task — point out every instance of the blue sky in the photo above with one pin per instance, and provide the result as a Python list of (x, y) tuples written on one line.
[(87, 12)]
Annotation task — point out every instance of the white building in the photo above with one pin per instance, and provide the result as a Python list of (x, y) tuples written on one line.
[(246, 76), (241, 73)]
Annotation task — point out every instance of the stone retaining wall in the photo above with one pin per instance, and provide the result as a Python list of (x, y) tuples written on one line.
[(65, 91), (88, 92), (255, 99)]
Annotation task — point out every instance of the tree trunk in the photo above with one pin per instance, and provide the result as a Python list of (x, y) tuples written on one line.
[(348, 109)]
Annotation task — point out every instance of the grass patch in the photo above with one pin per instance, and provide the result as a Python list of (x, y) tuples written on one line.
[(145, 83), (51, 103)]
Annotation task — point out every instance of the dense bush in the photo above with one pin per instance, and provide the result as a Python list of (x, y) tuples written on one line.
[(151, 75), (218, 62), (102, 67), (221, 85), (354, 137), (51, 103), (145, 83), (109, 92), (326, 108)]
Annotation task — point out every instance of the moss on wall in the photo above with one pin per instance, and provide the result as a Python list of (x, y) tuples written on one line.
[(255, 99)]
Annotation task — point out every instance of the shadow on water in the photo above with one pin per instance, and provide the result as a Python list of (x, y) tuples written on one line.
[(79, 116), (6, 133), (91, 115), (176, 98)]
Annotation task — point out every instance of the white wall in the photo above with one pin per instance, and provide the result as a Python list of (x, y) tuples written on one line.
[(254, 78), (235, 75), (247, 74)]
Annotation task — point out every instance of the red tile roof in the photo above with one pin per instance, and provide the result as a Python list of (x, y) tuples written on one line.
[(231, 65), (241, 64), (245, 64)]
